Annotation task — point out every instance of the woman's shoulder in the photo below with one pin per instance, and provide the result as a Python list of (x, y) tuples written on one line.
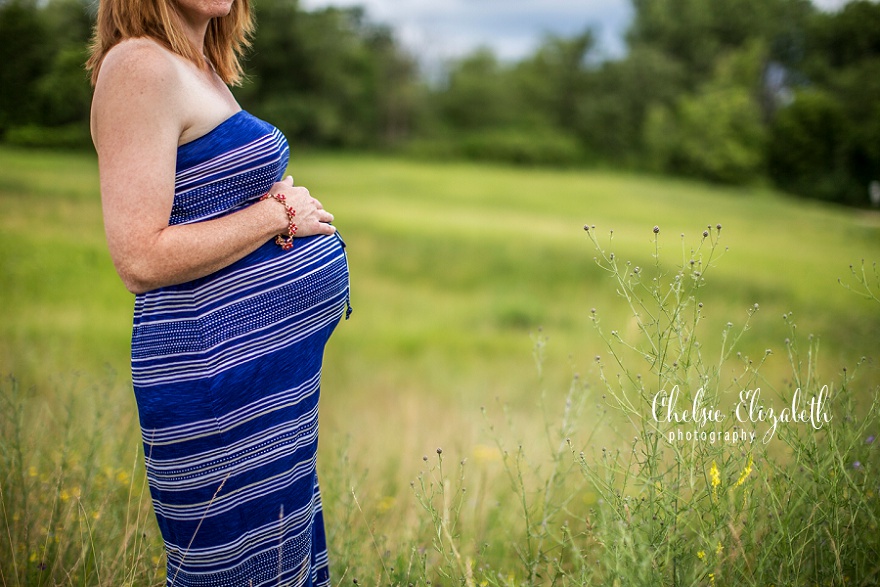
[(139, 86), (139, 58)]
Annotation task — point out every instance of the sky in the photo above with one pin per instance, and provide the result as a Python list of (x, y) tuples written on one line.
[(438, 30)]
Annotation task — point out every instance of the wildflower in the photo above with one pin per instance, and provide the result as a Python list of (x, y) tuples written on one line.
[(701, 554), (719, 548), (718, 226), (715, 476), (385, 504), (869, 440), (32, 471), (745, 472), (705, 233), (439, 451), (857, 465), (711, 578), (483, 453), (656, 229), (64, 495)]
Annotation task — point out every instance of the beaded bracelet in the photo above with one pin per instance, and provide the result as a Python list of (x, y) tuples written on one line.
[(285, 242)]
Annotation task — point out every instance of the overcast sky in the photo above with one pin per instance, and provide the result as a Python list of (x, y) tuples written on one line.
[(439, 29)]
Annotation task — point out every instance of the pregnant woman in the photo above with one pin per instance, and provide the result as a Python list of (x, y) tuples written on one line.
[(239, 279)]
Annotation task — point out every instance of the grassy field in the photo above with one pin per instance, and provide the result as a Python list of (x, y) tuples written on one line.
[(462, 275)]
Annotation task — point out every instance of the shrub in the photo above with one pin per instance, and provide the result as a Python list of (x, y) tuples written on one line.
[(544, 147), (71, 136)]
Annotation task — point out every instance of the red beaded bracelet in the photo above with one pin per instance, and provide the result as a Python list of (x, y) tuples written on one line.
[(285, 242)]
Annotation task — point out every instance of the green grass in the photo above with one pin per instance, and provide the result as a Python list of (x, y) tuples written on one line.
[(458, 270)]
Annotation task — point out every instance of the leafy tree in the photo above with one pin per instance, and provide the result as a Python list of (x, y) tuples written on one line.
[(716, 133), (555, 79), (611, 114), (826, 142), (696, 33), (25, 55), (327, 77), (804, 152), (477, 94)]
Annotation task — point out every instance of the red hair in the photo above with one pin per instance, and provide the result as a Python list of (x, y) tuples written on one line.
[(227, 37)]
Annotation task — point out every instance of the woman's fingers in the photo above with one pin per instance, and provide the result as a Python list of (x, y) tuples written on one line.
[(311, 217)]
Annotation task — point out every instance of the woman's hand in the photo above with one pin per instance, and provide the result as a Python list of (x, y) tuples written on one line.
[(310, 219)]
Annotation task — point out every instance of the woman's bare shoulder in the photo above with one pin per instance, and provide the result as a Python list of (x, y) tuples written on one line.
[(139, 92), (138, 61)]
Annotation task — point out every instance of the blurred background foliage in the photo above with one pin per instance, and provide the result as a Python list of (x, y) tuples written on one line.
[(733, 91)]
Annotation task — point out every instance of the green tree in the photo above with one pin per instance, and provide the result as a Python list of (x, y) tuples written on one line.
[(554, 80), (717, 132), (696, 33), (328, 77), (477, 94), (25, 52), (826, 142), (612, 112)]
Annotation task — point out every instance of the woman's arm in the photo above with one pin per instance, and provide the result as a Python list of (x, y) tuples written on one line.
[(139, 112)]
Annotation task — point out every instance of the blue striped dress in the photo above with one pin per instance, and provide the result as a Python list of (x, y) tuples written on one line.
[(226, 372)]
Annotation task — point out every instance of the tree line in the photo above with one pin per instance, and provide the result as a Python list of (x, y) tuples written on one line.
[(733, 91)]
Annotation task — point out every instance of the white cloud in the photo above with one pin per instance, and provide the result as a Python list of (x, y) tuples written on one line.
[(437, 30)]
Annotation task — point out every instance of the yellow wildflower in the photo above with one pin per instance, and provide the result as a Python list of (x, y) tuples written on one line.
[(715, 476), (711, 578), (385, 504), (745, 472), (64, 495), (32, 471), (122, 477), (483, 453), (701, 554), (719, 548)]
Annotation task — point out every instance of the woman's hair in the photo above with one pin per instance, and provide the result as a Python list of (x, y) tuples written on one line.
[(225, 41)]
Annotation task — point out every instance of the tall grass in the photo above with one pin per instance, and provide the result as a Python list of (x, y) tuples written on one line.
[(447, 454), (74, 510), (721, 501)]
